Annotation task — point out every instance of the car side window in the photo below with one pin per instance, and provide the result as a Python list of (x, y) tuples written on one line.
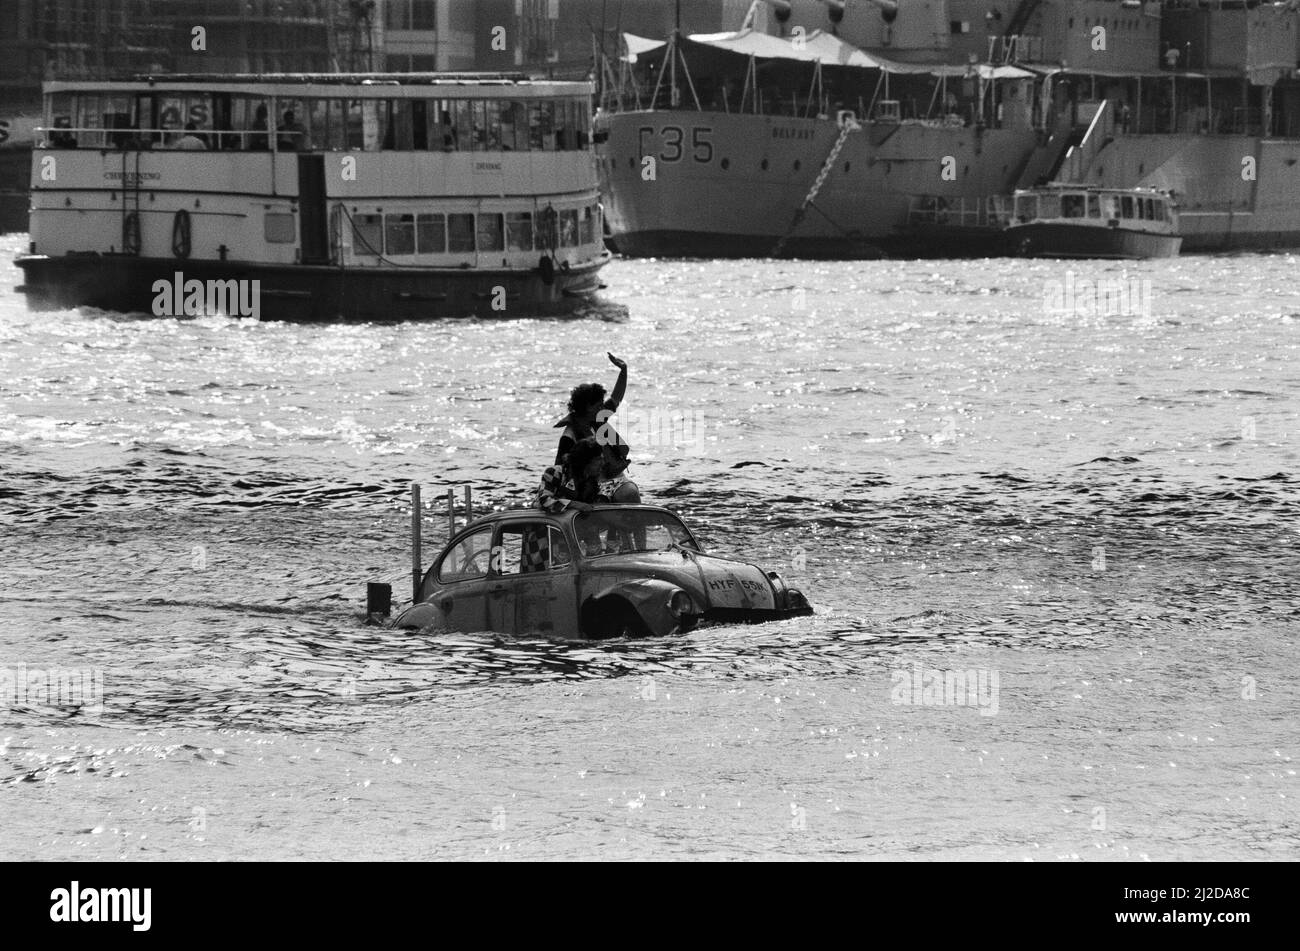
[(559, 549), (525, 548), (470, 558)]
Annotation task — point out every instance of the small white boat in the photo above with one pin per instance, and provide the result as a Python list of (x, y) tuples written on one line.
[(1081, 221)]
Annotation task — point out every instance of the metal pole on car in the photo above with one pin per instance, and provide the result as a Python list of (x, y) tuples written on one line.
[(415, 541)]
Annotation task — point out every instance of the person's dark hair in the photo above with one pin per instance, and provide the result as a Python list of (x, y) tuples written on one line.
[(584, 394), (580, 456)]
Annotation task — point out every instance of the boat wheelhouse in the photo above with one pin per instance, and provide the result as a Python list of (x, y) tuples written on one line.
[(1077, 221), (322, 196)]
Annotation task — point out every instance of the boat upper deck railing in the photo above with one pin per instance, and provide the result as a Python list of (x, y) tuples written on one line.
[(208, 119), (358, 85)]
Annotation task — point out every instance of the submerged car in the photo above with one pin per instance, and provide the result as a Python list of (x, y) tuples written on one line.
[(615, 571)]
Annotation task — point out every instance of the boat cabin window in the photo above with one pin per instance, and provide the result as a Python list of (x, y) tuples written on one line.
[(97, 121), (519, 231), (399, 234), (1126, 206), (431, 234), (548, 228), (1094, 206), (1049, 206), (541, 125), (1072, 206), (569, 228), (368, 235), (397, 125), (514, 126), (1026, 207), (468, 559), (1158, 210), (460, 234), (491, 233)]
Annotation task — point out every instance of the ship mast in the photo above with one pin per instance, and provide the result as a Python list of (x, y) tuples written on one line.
[(677, 37)]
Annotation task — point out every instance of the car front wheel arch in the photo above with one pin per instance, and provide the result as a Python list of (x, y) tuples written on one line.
[(612, 616)]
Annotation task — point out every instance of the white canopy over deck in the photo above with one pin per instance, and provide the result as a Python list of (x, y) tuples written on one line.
[(822, 48)]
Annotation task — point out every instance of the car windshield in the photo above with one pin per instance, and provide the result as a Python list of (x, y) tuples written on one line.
[(612, 532)]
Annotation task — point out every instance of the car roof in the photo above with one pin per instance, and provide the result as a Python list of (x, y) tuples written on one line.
[(532, 512), (565, 517)]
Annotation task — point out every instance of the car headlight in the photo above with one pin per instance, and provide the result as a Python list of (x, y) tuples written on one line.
[(779, 587), (680, 603)]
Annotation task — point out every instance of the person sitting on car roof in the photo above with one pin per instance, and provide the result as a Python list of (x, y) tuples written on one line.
[(588, 417), (574, 482)]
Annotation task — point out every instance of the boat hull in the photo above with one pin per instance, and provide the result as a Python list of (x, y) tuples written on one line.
[(303, 292), (735, 186), (1052, 240)]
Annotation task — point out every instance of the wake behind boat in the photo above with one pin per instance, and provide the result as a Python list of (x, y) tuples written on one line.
[(355, 197)]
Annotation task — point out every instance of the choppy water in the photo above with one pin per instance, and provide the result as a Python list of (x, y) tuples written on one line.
[(1101, 510)]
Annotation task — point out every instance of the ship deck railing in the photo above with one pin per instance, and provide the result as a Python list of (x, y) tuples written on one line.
[(164, 140), (991, 212)]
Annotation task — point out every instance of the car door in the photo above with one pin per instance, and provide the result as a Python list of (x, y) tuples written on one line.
[(562, 592), (462, 575), (528, 593)]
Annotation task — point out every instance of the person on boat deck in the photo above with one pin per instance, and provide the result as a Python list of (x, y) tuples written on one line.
[(261, 127), (573, 482), (588, 412), (292, 134), (448, 133), (191, 141)]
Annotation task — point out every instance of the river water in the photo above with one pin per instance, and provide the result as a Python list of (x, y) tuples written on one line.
[(1094, 515)]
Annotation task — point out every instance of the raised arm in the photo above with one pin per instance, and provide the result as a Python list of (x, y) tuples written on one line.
[(620, 387)]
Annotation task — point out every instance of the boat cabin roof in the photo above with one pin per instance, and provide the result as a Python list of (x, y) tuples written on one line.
[(332, 85), (1059, 187)]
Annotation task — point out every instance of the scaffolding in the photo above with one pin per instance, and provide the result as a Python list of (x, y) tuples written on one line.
[(114, 39)]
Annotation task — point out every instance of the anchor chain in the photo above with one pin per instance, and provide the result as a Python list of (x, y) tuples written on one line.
[(850, 126)]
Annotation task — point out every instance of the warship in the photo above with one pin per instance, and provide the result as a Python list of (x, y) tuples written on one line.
[(830, 128)]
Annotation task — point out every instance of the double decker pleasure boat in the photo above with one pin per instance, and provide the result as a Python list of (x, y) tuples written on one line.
[(318, 197)]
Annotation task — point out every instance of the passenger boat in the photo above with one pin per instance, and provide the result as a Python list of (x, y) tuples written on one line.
[(316, 196), (1076, 221)]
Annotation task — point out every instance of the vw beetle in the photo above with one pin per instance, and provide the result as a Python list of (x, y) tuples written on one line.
[(615, 571)]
